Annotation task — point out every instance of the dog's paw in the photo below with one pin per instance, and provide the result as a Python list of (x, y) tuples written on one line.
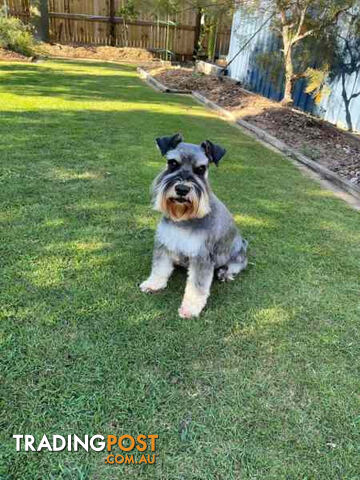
[(185, 312), (151, 287), (188, 312), (223, 275)]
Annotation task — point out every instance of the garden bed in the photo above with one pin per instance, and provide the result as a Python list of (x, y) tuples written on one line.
[(115, 54), (9, 56), (320, 141), (126, 54)]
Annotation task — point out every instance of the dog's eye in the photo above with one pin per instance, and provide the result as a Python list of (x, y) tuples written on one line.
[(173, 164), (200, 170)]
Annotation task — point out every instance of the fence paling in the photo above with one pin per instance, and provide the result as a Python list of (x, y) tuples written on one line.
[(95, 22)]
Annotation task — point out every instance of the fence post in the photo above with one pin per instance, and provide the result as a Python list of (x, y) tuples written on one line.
[(67, 23), (112, 23), (44, 20)]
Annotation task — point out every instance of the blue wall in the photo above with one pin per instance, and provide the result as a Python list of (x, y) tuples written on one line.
[(245, 69)]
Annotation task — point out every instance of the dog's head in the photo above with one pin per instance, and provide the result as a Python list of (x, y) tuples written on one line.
[(181, 191)]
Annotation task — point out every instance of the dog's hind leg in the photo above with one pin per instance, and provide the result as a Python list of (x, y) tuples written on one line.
[(228, 272), (162, 268), (238, 261)]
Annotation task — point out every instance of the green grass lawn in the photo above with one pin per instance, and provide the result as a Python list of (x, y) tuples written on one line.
[(264, 385)]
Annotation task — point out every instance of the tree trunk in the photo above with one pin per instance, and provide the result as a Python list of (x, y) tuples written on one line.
[(289, 80), (40, 19), (197, 32), (44, 20), (289, 68), (112, 29), (346, 102), (67, 23), (212, 39)]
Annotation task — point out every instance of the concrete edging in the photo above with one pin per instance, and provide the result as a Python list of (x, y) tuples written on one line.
[(283, 147), (262, 135), (208, 68)]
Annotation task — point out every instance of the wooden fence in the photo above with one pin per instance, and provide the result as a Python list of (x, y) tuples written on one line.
[(96, 22)]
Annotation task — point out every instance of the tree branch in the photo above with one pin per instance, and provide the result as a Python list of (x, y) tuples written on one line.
[(354, 95), (331, 21), (306, 34), (301, 21)]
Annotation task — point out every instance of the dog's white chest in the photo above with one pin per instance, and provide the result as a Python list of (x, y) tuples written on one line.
[(180, 240)]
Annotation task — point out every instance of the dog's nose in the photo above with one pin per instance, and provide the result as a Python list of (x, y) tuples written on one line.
[(182, 190)]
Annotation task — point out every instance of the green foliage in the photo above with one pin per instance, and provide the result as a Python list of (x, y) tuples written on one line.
[(212, 31), (272, 63), (316, 83), (308, 29), (165, 7), (304, 16), (15, 35), (313, 39), (128, 11), (214, 13)]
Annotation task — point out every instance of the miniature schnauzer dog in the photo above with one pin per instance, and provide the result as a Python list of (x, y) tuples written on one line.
[(196, 231)]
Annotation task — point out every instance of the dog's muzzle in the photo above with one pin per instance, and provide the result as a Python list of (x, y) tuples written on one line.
[(181, 198), (182, 190)]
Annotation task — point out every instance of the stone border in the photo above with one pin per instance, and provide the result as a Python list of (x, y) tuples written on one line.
[(280, 145), (262, 135), (208, 68)]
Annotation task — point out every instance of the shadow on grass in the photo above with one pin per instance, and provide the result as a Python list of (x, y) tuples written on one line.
[(75, 81), (80, 186), (81, 191), (255, 373)]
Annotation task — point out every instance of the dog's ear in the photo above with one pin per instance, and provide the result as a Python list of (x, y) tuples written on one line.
[(213, 152), (168, 143)]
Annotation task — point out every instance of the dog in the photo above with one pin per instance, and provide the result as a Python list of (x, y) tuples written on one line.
[(196, 230)]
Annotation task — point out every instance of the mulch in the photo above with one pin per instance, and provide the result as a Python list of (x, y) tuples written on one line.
[(322, 142), (116, 54), (128, 55), (9, 56)]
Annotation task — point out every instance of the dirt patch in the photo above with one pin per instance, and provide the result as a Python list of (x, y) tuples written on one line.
[(129, 55), (9, 56), (318, 140), (139, 56)]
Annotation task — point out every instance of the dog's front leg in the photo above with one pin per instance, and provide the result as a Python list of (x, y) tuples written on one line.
[(200, 275), (162, 267)]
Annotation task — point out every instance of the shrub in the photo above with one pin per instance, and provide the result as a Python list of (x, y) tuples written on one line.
[(15, 35)]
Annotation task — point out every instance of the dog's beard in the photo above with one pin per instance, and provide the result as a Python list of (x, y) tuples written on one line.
[(195, 205)]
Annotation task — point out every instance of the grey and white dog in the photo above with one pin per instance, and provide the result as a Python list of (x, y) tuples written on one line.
[(196, 231)]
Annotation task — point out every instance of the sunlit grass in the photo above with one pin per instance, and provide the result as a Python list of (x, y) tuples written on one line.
[(265, 381), (247, 220)]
